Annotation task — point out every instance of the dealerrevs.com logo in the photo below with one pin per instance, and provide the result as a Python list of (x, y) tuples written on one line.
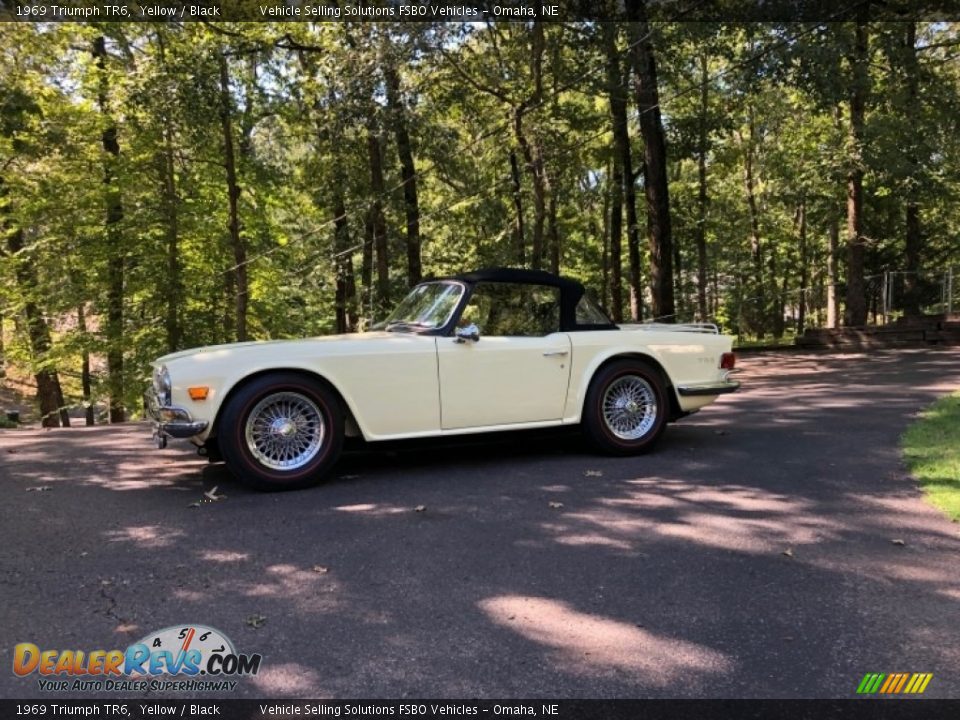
[(180, 658)]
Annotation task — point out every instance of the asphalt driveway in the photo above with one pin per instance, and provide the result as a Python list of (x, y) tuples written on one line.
[(772, 546)]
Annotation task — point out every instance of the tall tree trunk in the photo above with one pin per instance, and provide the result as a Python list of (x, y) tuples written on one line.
[(346, 289), (679, 304), (173, 289), (655, 162), (833, 278), (700, 235), (553, 232), (856, 310), (605, 241), (519, 240), (237, 242), (347, 315), (778, 295), (623, 179), (378, 222), (115, 250), (85, 384), (804, 260), (715, 295), (616, 231), (913, 237), (49, 394), (366, 267), (533, 158), (408, 173), (756, 246)]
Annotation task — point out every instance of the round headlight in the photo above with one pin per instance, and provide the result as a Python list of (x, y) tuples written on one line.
[(162, 385)]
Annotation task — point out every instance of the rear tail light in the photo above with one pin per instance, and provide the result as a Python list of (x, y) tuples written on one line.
[(728, 361)]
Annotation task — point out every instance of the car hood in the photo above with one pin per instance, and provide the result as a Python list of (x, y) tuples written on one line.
[(257, 344)]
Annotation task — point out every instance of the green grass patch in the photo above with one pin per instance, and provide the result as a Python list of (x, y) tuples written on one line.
[(931, 448)]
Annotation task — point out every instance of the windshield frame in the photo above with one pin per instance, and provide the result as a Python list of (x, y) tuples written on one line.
[(390, 325)]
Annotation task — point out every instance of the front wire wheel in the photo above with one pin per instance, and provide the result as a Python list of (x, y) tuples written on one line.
[(285, 431), (626, 407), (282, 431)]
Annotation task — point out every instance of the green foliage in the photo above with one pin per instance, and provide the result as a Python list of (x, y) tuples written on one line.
[(303, 101)]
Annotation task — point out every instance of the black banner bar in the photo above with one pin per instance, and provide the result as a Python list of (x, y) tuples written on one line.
[(855, 709), (468, 10)]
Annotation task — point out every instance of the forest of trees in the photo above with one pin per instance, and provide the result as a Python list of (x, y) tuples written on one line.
[(166, 185)]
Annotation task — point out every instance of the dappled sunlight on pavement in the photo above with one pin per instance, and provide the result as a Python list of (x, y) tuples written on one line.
[(583, 642), (771, 546), (290, 680), (124, 459)]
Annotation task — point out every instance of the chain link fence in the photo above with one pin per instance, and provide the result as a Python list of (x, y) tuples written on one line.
[(907, 293)]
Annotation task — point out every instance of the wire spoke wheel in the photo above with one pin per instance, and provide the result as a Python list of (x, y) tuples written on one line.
[(629, 407), (285, 431)]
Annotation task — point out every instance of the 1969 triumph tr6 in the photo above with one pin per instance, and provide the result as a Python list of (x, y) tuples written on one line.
[(490, 350)]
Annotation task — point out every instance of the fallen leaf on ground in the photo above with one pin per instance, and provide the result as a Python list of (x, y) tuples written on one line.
[(321, 569), (255, 621), (555, 505), (420, 508), (12, 451), (898, 541), (212, 494), (39, 488), (788, 552)]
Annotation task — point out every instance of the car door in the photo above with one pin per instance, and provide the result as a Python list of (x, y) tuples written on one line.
[(519, 368)]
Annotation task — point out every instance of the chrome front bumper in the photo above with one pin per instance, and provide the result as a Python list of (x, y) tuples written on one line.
[(714, 388), (170, 420)]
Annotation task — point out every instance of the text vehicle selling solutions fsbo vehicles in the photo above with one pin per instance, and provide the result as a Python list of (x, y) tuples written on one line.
[(491, 350)]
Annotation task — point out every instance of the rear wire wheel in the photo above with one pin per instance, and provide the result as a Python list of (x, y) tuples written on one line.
[(626, 408)]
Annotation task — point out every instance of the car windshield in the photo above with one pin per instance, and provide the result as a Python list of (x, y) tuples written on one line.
[(428, 306)]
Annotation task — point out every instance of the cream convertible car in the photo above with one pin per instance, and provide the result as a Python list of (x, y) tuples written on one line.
[(490, 350)]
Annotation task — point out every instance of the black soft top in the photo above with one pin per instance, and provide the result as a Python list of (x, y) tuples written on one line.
[(518, 275), (570, 290)]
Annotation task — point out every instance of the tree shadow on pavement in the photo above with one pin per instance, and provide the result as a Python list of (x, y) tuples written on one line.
[(772, 546)]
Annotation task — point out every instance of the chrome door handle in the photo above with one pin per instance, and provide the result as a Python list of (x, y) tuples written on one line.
[(556, 353)]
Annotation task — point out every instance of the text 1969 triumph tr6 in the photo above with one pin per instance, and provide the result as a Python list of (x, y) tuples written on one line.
[(490, 350)]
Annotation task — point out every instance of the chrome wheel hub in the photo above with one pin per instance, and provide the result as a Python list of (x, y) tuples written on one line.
[(283, 428), (630, 407), (285, 431)]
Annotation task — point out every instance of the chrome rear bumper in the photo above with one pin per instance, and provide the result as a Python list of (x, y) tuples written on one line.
[(714, 388), (170, 420)]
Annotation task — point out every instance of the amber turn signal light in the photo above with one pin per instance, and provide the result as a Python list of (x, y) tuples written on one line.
[(198, 393)]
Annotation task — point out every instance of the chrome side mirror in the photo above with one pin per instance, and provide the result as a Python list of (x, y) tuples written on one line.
[(470, 332)]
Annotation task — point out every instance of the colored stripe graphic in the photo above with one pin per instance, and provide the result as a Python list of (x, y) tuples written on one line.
[(918, 683), (894, 683), (903, 680), (870, 683)]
